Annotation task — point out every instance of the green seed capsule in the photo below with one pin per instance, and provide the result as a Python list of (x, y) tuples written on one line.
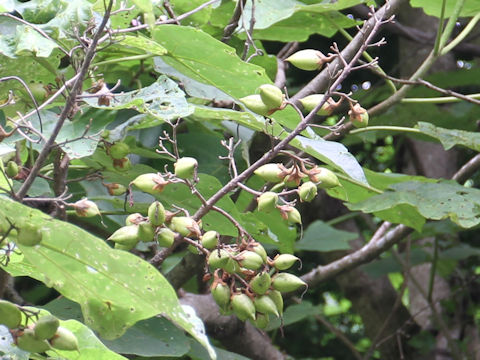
[(209, 240), (86, 208), (284, 261), (271, 172), (307, 59), (358, 116), (267, 202), (165, 237), (255, 104), (126, 235), (145, 232), (218, 258), (28, 342), (221, 294), (115, 189), (185, 226), (243, 307), (260, 250), (12, 169), (232, 266), (265, 304), (29, 235), (277, 298), (261, 321), (10, 314), (119, 150), (64, 339), (134, 219), (46, 327), (307, 191), (150, 183), (250, 260), (323, 177), (186, 167), (271, 96), (122, 165), (261, 283), (286, 282), (156, 213)]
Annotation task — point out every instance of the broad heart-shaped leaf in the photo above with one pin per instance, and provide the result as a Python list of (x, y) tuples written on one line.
[(451, 137), (320, 236), (163, 100), (114, 288), (434, 7), (431, 201)]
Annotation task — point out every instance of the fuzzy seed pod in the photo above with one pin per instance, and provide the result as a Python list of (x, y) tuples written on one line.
[(29, 235), (307, 191), (261, 321), (10, 314), (255, 104), (243, 307), (11, 169), (115, 189), (145, 232), (308, 59), (286, 282), (284, 261), (185, 226), (209, 240), (150, 183), (265, 305), (221, 294), (271, 96), (28, 342), (271, 172), (156, 213), (165, 237), (250, 260), (267, 202), (186, 167), (261, 283), (46, 327), (218, 258), (119, 150), (86, 208), (126, 235), (277, 298), (64, 339)]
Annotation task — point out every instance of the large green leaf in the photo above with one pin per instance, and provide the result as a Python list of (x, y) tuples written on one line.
[(320, 236), (434, 7), (114, 288), (431, 201), (451, 137)]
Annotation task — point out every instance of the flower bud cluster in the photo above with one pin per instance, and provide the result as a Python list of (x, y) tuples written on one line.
[(46, 334), (249, 284)]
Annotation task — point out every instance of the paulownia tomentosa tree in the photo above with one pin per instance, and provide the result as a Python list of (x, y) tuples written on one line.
[(130, 165)]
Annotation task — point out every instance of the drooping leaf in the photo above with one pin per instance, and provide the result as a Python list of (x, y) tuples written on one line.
[(320, 236), (451, 137), (431, 201), (434, 7), (114, 288)]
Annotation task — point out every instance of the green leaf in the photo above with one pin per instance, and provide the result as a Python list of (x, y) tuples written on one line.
[(142, 43), (114, 288), (451, 137), (434, 7), (431, 201), (29, 42), (322, 237)]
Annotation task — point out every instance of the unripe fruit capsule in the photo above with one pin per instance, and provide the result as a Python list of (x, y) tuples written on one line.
[(186, 167), (243, 307), (115, 189), (218, 258), (119, 150), (284, 261), (145, 231), (271, 172), (209, 240), (46, 327), (126, 235), (134, 219), (185, 226), (277, 298), (310, 102), (221, 294), (86, 208), (255, 104), (261, 321), (323, 177), (265, 305), (286, 282), (156, 213), (260, 283), (259, 249), (150, 183), (165, 237), (307, 191), (250, 260), (122, 164), (29, 235), (12, 169), (10, 314), (28, 342), (308, 59), (271, 96), (64, 339), (267, 202)]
